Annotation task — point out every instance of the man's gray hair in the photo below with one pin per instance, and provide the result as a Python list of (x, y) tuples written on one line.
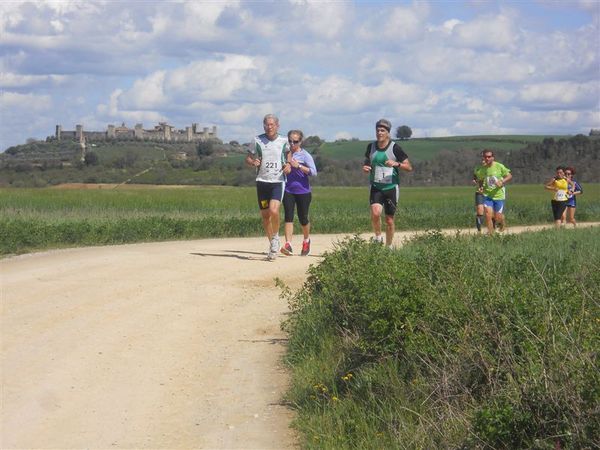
[(271, 116)]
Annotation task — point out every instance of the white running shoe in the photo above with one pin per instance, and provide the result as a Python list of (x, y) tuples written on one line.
[(274, 244), (377, 239)]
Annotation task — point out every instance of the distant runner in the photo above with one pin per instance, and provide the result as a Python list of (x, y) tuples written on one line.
[(572, 194), (383, 161), (479, 203), (492, 176), (559, 185), (268, 155)]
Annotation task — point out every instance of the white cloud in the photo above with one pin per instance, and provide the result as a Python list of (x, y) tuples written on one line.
[(14, 80), (216, 79), (343, 135), (147, 93), (326, 67), (324, 19), (561, 94), (14, 102), (341, 95), (406, 23), (388, 26), (245, 113), (497, 33)]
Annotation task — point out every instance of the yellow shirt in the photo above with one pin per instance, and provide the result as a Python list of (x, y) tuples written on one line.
[(562, 186)]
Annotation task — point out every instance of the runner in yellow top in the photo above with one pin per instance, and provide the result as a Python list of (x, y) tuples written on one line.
[(560, 186)]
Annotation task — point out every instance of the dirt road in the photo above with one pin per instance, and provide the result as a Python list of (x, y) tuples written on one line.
[(163, 345)]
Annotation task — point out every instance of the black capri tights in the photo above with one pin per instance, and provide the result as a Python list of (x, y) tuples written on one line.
[(302, 202), (558, 208)]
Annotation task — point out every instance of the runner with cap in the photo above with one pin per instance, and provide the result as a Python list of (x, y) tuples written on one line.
[(383, 161)]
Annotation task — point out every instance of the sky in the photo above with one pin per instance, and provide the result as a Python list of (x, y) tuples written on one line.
[(329, 68)]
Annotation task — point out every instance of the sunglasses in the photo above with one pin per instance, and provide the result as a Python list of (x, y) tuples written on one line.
[(489, 157), (294, 142), (568, 173)]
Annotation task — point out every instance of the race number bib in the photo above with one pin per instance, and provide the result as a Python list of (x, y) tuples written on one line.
[(383, 174), (561, 195), (491, 181), (272, 168)]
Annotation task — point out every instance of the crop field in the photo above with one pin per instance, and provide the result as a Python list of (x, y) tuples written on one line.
[(33, 219), (423, 149)]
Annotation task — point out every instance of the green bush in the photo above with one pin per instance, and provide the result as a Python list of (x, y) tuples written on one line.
[(450, 342)]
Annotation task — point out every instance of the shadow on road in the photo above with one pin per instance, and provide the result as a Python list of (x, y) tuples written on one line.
[(246, 255), (236, 254)]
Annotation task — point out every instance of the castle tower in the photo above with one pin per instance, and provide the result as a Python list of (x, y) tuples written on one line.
[(110, 132), (138, 131), (83, 148), (58, 132), (188, 134), (214, 131), (79, 133)]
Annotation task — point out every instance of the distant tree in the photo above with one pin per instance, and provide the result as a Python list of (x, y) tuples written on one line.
[(403, 132), (126, 161), (91, 159), (312, 141), (234, 143), (205, 148)]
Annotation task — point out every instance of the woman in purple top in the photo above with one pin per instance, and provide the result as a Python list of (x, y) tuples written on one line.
[(575, 189), (297, 192)]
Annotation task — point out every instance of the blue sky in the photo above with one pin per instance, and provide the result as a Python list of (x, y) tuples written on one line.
[(329, 68)]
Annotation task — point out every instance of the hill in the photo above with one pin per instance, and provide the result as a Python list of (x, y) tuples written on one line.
[(437, 161), (424, 149)]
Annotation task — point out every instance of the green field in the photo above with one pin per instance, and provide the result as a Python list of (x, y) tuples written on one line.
[(423, 149), (33, 219)]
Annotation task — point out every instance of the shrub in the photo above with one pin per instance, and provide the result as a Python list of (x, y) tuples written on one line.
[(452, 342)]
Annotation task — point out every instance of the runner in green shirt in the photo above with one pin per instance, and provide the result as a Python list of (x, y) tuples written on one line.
[(492, 176), (383, 161)]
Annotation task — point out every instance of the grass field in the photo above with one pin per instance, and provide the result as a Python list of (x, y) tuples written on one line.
[(423, 149), (33, 219)]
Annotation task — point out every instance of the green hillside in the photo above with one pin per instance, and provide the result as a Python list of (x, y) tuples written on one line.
[(531, 158), (424, 149)]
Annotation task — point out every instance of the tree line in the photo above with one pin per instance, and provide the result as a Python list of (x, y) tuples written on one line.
[(533, 164), (204, 164)]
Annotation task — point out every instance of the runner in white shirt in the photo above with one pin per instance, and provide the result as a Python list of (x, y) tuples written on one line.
[(269, 156)]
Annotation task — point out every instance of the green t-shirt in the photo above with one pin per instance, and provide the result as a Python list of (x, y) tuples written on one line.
[(488, 176), (383, 177)]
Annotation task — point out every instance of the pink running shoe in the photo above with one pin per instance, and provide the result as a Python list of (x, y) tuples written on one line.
[(305, 248), (287, 249)]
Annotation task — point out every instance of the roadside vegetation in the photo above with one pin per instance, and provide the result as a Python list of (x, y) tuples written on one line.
[(450, 342), (37, 219)]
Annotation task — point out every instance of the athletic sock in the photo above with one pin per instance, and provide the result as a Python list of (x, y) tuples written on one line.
[(478, 222)]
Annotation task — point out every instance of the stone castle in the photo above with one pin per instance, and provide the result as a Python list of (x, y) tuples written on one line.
[(161, 133)]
